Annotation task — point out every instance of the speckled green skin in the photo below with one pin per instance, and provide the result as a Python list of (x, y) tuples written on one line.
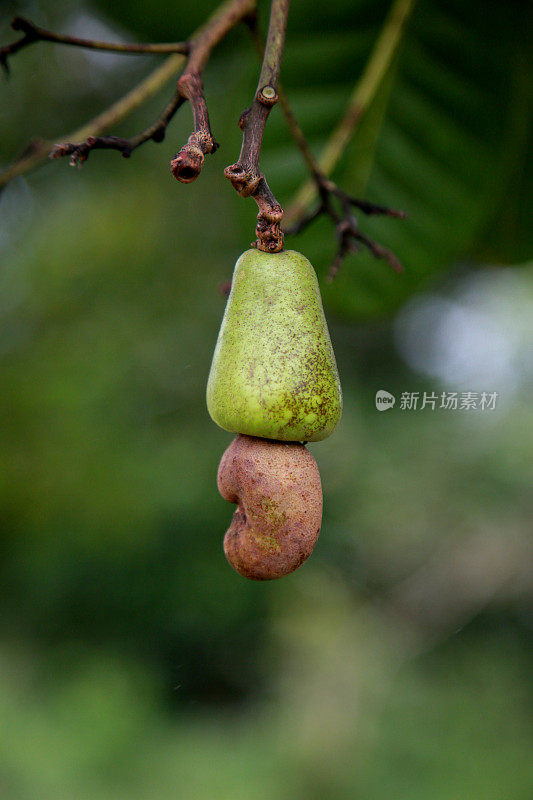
[(273, 373)]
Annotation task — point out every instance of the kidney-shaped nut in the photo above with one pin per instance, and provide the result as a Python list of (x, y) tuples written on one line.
[(276, 486)]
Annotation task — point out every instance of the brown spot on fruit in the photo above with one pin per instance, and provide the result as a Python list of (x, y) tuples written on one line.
[(276, 486)]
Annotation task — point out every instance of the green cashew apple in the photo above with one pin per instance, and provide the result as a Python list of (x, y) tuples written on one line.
[(273, 373)]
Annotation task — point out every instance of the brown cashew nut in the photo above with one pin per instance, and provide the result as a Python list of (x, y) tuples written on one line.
[(276, 486)]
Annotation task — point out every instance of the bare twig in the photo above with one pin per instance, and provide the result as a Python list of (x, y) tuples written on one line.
[(348, 234), (78, 144), (79, 151), (362, 96), (188, 162), (245, 175), (186, 165), (33, 33), (350, 238), (331, 196), (37, 150), (156, 132)]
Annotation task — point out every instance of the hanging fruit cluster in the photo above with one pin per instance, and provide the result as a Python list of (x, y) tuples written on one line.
[(274, 382)]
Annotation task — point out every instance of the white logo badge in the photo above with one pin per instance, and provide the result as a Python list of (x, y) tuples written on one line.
[(384, 400)]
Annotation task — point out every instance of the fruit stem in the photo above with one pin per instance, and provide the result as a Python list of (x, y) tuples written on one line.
[(245, 175)]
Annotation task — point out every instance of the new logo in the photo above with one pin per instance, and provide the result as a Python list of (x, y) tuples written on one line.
[(384, 400)]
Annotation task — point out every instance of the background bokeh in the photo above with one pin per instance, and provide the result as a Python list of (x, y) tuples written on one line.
[(134, 662)]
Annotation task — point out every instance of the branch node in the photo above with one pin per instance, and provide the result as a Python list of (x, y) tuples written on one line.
[(268, 231), (243, 180), (159, 135), (187, 164), (24, 25), (242, 118), (267, 96)]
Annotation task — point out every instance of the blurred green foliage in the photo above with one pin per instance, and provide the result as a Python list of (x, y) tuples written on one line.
[(134, 662)]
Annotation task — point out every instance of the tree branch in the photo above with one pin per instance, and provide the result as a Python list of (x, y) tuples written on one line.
[(245, 175), (156, 132), (80, 143), (33, 33), (187, 164), (362, 96), (332, 197), (37, 150), (350, 238)]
